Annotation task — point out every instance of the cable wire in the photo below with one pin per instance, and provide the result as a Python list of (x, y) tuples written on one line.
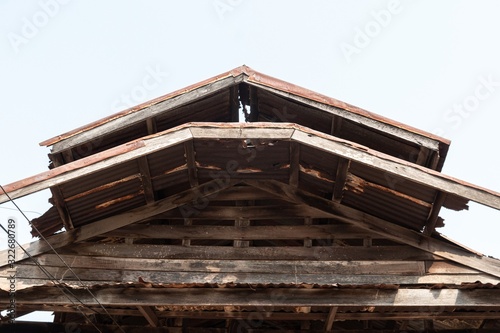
[(62, 260)]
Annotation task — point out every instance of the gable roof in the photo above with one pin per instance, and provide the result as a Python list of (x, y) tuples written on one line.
[(166, 218)]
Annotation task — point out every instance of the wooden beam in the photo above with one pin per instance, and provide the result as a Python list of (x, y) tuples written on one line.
[(340, 179), (238, 223), (294, 164), (430, 226), (234, 104), (191, 163), (380, 226), (151, 125), (147, 184), (308, 241), (114, 264), (314, 231), (149, 314), (331, 318), (61, 207), (109, 296), (111, 223), (228, 213), (336, 125), (254, 104), (186, 239), (250, 253)]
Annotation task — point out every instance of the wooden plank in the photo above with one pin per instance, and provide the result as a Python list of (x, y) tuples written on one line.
[(331, 318), (149, 314), (250, 253), (294, 163), (246, 131), (244, 193), (145, 113), (381, 227), (308, 241), (327, 231), (398, 168), (234, 104), (339, 267), (31, 276), (340, 179), (179, 278), (421, 297), (117, 221)]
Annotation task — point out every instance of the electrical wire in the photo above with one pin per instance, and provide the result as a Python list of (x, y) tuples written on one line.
[(59, 285), (62, 260)]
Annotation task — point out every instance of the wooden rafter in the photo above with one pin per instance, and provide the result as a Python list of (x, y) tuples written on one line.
[(331, 318), (294, 163), (191, 163), (340, 179)]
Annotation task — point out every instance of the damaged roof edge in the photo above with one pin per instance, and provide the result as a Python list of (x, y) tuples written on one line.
[(255, 77)]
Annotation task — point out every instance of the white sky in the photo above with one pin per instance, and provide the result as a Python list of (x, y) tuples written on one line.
[(66, 63)]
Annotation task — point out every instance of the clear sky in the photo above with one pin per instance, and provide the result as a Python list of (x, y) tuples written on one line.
[(430, 64)]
